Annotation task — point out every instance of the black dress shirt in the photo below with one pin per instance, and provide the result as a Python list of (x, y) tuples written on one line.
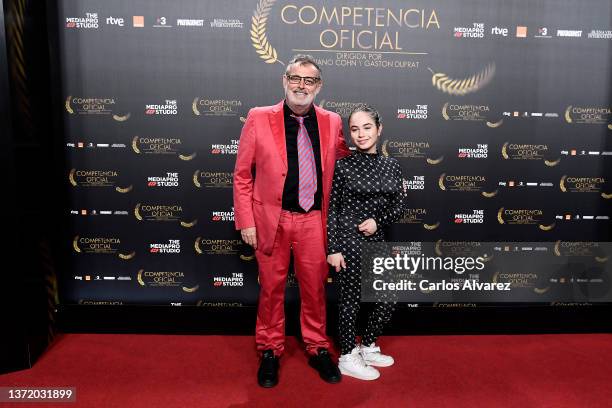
[(292, 182)]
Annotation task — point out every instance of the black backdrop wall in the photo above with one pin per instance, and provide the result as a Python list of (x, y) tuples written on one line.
[(499, 114), (125, 124)]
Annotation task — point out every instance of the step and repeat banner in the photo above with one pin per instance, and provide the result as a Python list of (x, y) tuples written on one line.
[(498, 112)]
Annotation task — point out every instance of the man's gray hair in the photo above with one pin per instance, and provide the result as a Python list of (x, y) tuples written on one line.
[(302, 59)]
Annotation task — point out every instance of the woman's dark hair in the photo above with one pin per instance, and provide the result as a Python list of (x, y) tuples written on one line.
[(370, 110)]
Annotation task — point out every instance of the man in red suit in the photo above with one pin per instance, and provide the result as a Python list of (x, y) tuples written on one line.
[(282, 181)]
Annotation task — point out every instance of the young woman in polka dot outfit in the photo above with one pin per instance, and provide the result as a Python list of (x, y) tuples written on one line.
[(367, 195)]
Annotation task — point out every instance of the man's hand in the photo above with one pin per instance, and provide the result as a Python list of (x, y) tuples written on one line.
[(368, 227), (249, 235), (337, 261)]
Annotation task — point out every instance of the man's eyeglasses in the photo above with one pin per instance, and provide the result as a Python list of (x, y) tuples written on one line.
[(296, 79)]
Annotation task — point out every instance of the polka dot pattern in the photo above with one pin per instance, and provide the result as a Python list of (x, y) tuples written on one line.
[(366, 185)]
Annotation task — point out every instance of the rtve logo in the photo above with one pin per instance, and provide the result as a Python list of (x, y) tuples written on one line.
[(115, 21), (499, 31)]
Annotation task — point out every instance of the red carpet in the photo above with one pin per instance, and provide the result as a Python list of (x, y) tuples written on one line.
[(431, 371)]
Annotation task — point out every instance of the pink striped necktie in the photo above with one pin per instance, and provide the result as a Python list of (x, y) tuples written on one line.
[(307, 167)]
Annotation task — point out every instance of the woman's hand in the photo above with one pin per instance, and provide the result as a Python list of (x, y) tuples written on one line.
[(368, 227), (337, 261)]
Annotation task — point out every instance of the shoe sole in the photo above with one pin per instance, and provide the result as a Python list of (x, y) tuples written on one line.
[(350, 374), (268, 385), (374, 364)]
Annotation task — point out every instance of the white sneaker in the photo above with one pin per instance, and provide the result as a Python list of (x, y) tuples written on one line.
[(373, 357), (353, 365)]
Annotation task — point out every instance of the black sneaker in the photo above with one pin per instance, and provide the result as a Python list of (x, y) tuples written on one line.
[(327, 369), (267, 375)]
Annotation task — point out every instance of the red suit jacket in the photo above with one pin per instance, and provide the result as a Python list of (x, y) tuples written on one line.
[(261, 169)]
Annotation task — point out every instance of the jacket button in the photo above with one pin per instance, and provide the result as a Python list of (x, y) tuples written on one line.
[(278, 199), (283, 174)]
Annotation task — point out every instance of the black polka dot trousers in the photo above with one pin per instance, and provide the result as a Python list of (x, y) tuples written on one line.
[(350, 301)]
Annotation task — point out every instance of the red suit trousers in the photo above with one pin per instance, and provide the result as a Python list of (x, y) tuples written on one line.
[(302, 234)]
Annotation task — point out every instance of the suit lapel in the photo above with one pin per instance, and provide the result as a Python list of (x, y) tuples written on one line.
[(277, 125), (324, 132)]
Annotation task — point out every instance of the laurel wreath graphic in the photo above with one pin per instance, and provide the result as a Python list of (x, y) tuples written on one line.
[(127, 256), (195, 179), (444, 113), (441, 182), (494, 125), (139, 278), (137, 212), (68, 107), (194, 107), (435, 161), (75, 244), (464, 86), (500, 219), (601, 259), (610, 126), (384, 148), (495, 276), (504, 151), (562, 184), (546, 227), (197, 245), (187, 157), (487, 258), (124, 190), (437, 249), (191, 290), (567, 115), (552, 163), (489, 195), (135, 145), (541, 291), (258, 32), (606, 196), (189, 224), (122, 118), (71, 177), (431, 227)]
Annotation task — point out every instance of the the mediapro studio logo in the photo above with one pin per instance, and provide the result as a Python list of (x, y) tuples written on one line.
[(225, 148), (173, 246), (237, 279), (168, 107), (90, 20)]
